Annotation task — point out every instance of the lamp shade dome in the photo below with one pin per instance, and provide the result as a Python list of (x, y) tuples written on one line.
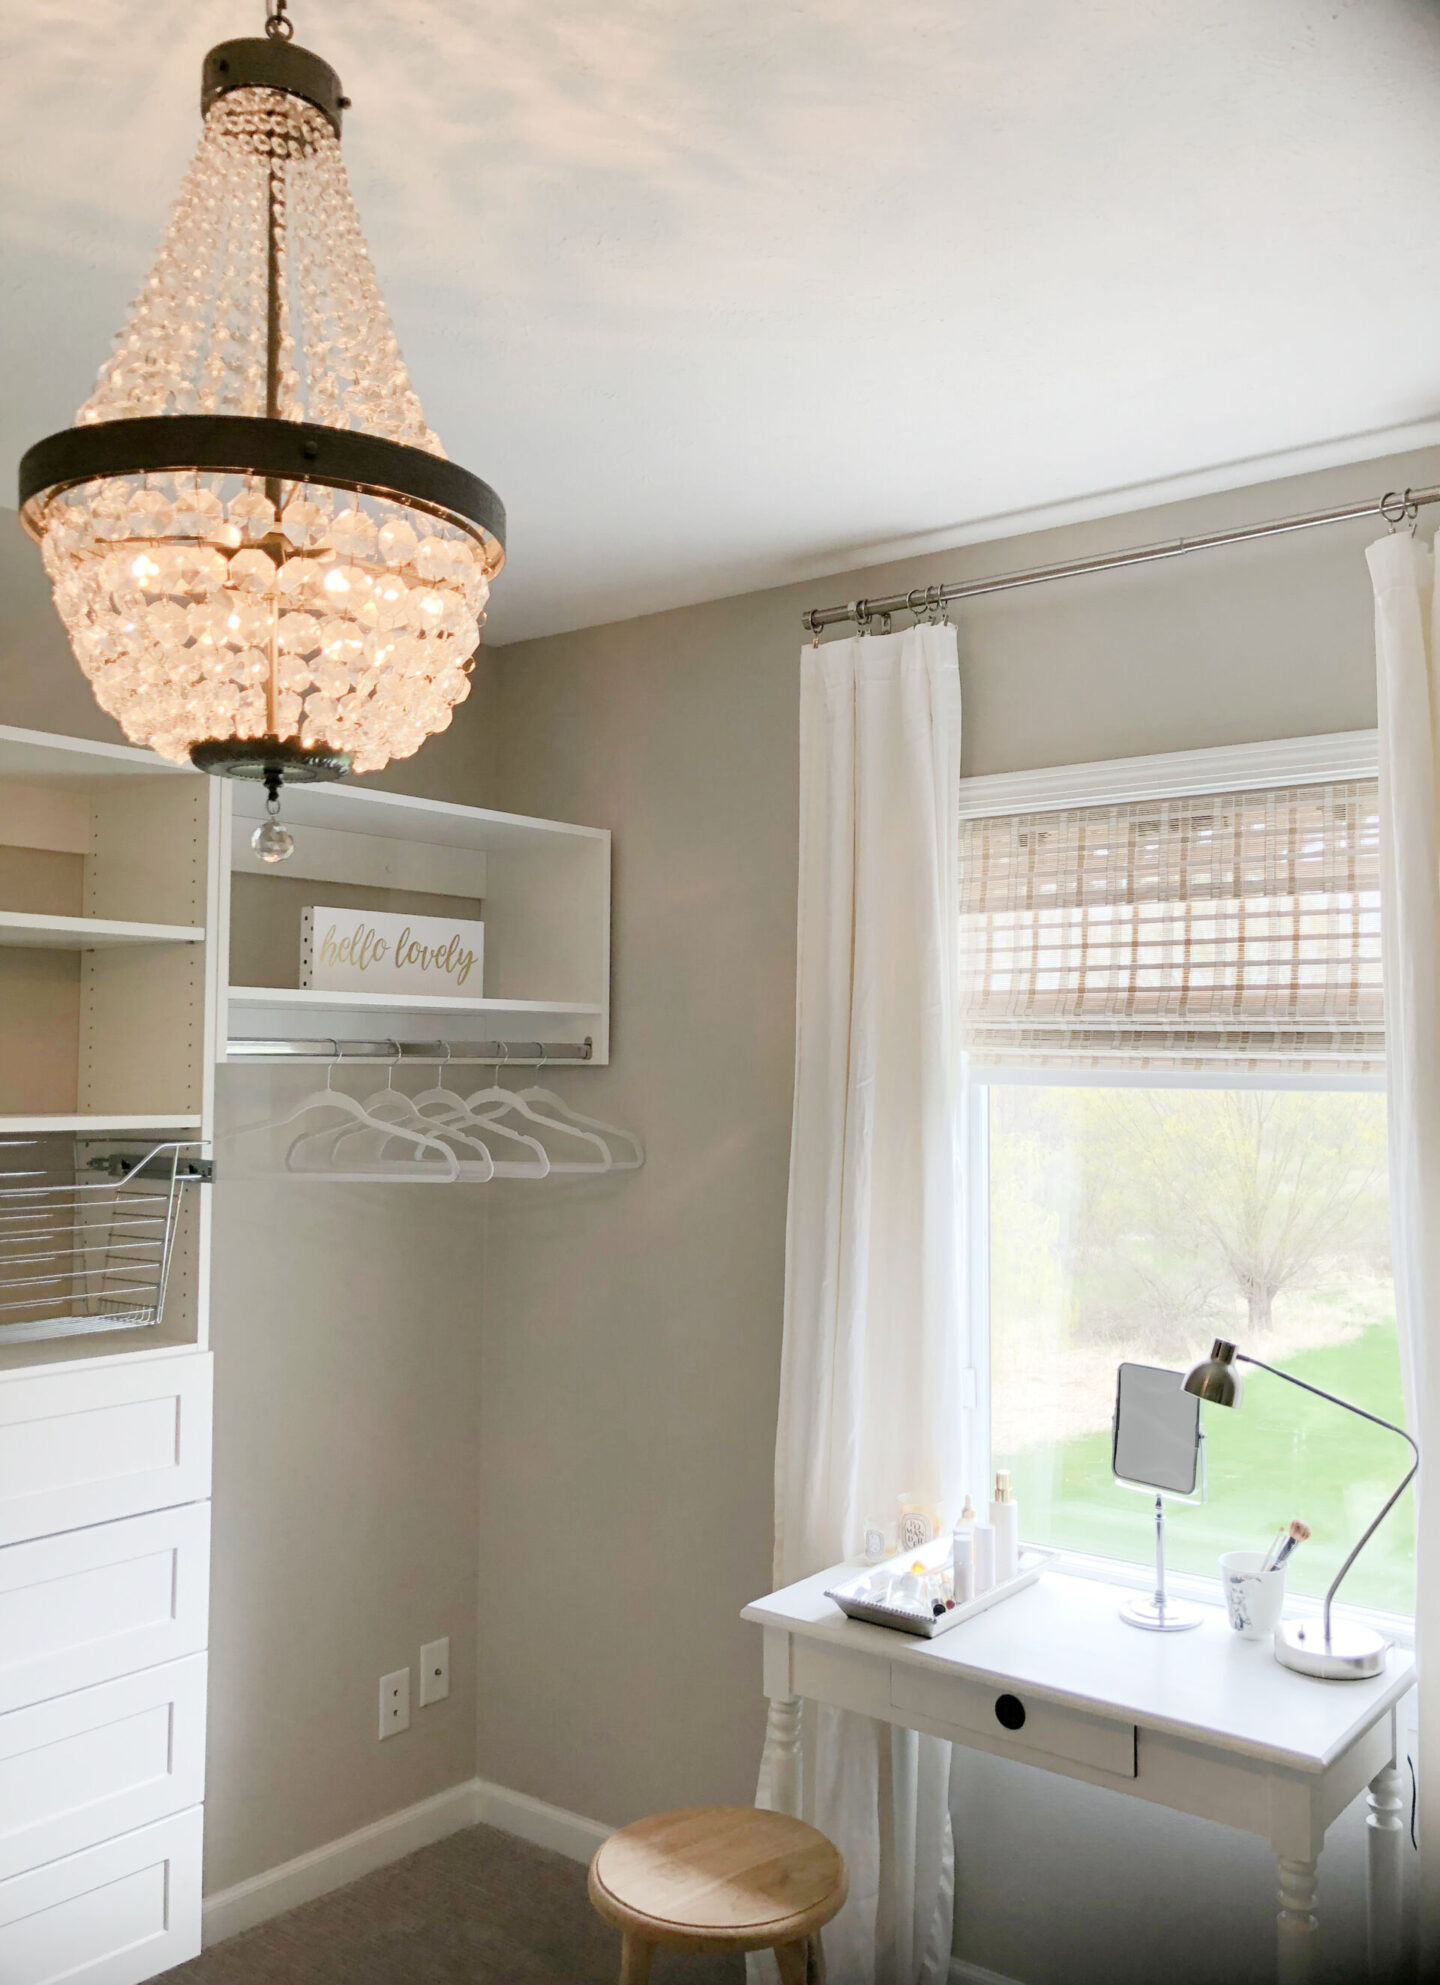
[(1216, 1378)]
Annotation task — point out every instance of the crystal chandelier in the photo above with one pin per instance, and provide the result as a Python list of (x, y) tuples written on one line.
[(264, 560)]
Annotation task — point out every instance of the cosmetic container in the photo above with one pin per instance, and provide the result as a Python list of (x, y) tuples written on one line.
[(1005, 1520), (984, 1557)]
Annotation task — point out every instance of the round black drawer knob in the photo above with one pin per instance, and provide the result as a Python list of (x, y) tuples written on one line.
[(1010, 1712)]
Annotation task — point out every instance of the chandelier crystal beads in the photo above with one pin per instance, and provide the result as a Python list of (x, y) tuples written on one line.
[(262, 557)]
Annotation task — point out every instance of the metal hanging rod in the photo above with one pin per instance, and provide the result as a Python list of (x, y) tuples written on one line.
[(1395, 507), (515, 1054)]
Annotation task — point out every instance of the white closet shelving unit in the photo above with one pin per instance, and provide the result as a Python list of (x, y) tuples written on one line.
[(110, 894), (541, 887), (129, 902)]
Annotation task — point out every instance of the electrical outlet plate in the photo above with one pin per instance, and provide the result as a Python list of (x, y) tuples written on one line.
[(394, 1703), (434, 1672)]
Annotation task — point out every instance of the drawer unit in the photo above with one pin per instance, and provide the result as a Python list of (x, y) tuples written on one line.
[(102, 1761), (95, 1443), (1013, 1724), (100, 1603), (114, 1915)]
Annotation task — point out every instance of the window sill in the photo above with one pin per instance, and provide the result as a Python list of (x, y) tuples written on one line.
[(1397, 1627)]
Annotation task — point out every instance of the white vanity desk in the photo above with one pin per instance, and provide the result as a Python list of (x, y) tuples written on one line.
[(1204, 1722)]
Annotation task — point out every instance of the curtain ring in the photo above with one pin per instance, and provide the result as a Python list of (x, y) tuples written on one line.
[(1395, 508)]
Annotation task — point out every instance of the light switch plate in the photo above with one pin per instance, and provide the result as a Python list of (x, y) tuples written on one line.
[(394, 1703), (434, 1672)]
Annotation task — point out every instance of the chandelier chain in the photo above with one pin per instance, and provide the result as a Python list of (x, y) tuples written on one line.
[(278, 24)]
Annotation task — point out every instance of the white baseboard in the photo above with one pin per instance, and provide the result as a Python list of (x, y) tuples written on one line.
[(962, 1972), (533, 1820), (329, 1867), (314, 1874)]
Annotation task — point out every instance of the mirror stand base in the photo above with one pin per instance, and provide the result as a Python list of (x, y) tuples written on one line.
[(1160, 1615)]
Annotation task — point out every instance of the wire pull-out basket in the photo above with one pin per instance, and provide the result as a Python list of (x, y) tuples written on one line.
[(87, 1234)]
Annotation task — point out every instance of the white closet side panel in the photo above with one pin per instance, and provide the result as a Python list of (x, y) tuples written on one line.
[(102, 1441), (94, 1604), (103, 1761), (113, 1915), (142, 1030)]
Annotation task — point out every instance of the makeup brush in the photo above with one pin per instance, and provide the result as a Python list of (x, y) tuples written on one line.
[(1267, 1563), (1298, 1533)]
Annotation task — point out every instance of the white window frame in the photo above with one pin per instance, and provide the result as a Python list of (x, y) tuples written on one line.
[(1171, 775)]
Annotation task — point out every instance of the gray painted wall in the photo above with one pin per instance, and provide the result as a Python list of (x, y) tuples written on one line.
[(632, 1337)]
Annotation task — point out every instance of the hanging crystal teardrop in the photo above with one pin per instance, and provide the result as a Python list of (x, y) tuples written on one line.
[(272, 840)]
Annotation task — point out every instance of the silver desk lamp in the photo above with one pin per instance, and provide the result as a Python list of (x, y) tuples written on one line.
[(1341, 1650)]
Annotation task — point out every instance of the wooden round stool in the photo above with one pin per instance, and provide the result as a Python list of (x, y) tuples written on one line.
[(720, 1878)]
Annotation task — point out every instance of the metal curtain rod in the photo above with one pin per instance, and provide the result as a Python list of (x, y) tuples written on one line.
[(518, 1054), (1395, 507)]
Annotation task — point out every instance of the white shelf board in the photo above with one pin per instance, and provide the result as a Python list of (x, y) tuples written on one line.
[(47, 755), (116, 1347), (98, 1125), (253, 998), (400, 817), (22, 929)]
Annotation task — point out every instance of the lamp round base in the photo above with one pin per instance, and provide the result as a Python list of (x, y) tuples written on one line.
[(1351, 1654), (1160, 1616)]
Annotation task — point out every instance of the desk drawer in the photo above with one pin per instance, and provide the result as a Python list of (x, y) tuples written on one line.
[(93, 1444), (1010, 1723), (113, 1915), (93, 1604), (83, 1767)]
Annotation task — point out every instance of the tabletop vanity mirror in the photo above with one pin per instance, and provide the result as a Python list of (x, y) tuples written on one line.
[(1157, 1446)]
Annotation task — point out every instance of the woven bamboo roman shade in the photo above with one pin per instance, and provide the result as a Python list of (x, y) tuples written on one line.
[(1226, 930)]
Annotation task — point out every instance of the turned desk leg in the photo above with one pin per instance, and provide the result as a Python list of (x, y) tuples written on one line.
[(789, 1755), (1296, 1928), (1384, 1844)]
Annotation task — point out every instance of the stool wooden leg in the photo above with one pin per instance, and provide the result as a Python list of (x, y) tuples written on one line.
[(635, 1955), (817, 1960), (791, 1959)]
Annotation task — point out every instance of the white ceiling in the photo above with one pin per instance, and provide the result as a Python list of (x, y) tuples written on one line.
[(723, 295)]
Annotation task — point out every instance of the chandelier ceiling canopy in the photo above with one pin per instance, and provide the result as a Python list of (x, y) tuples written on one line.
[(264, 560)]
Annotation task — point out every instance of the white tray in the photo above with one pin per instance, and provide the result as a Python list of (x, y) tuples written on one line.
[(849, 1594)]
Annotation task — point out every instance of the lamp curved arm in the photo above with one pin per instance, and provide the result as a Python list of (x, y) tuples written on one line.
[(1374, 1418)]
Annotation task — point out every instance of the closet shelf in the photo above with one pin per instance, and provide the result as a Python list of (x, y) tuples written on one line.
[(96, 1124), (21, 928), (259, 998)]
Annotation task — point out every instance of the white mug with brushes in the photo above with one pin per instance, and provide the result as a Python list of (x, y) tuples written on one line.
[(1254, 1583)]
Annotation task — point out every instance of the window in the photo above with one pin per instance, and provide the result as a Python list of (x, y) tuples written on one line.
[(1175, 1033)]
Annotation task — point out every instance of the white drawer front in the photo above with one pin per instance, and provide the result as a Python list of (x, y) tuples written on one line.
[(1009, 1722), (94, 1604), (111, 1916), (88, 1445), (78, 1769)]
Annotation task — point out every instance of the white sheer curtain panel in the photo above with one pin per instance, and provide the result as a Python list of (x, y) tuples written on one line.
[(870, 1393), (1407, 643)]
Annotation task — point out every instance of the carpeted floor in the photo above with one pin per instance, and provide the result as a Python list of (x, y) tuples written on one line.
[(480, 1908)]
